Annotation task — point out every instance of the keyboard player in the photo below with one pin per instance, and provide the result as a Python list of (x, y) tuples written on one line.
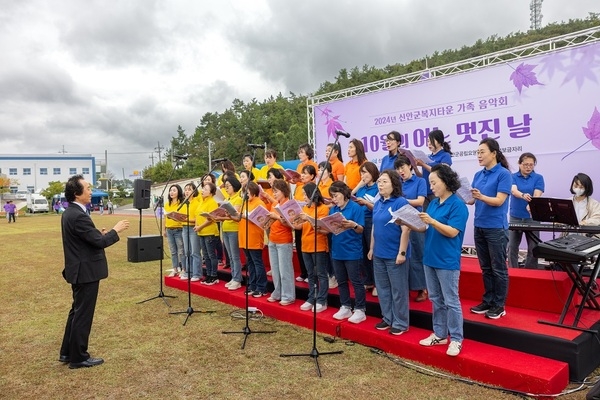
[(586, 208), (526, 184)]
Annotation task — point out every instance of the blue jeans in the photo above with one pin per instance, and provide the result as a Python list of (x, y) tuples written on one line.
[(316, 266), (490, 244), (514, 240), (442, 285), (175, 240), (367, 265), (208, 244), (257, 275), (280, 256), (350, 270), (416, 275), (193, 253), (391, 280), (230, 240)]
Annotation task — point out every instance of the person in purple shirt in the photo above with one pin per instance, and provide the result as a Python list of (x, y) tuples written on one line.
[(393, 141), (440, 153), (414, 189), (491, 187), (526, 184), (11, 210), (389, 251)]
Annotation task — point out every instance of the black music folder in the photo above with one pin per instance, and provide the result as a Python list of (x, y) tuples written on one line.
[(557, 211)]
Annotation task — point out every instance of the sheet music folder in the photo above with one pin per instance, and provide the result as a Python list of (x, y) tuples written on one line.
[(557, 211)]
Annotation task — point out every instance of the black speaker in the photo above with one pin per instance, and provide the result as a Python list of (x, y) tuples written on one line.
[(141, 194), (144, 248)]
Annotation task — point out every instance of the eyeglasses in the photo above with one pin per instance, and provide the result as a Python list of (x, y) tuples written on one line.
[(390, 140), (528, 165)]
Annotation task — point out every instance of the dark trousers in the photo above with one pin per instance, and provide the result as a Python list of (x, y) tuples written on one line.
[(298, 240), (79, 321)]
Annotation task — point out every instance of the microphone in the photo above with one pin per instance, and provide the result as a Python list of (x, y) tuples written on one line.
[(342, 133), (256, 146), (178, 157), (216, 160)]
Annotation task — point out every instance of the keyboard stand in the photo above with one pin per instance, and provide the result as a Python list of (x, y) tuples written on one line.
[(588, 293)]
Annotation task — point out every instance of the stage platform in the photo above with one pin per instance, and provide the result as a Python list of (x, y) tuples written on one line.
[(514, 352)]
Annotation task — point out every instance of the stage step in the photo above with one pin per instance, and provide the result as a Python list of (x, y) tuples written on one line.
[(494, 365)]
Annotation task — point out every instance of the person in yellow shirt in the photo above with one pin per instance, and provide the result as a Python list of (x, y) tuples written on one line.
[(172, 230), (271, 161), (208, 232), (250, 165), (191, 244)]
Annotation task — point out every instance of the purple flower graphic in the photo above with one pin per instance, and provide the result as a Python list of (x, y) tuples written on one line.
[(592, 132), (523, 75), (332, 122)]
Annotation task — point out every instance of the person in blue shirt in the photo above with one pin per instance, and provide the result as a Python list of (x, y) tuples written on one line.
[(440, 153), (369, 175), (491, 187), (393, 141), (526, 184), (414, 189), (446, 218), (346, 254), (389, 252)]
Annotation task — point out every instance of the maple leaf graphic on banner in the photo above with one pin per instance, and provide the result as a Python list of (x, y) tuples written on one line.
[(592, 132), (523, 75), (332, 122)]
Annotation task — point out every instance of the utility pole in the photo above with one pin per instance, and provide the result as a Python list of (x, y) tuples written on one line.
[(159, 151), (152, 158)]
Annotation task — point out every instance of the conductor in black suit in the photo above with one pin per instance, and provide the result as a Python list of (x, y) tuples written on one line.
[(85, 265)]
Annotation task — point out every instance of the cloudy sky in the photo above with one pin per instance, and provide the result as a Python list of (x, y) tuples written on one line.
[(120, 76)]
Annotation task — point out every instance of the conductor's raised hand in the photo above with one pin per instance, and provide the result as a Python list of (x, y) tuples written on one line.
[(121, 225)]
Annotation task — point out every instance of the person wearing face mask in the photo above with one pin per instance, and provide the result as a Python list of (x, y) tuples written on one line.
[(526, 184), (586, 208)]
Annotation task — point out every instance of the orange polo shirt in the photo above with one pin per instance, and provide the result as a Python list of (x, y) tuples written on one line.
[(308, 239), (280, 233), (337, 168), (324, 188), (256, 236), (298, 192), (352, 173)]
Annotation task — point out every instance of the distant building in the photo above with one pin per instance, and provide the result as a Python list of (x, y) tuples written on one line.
[(34, 172)]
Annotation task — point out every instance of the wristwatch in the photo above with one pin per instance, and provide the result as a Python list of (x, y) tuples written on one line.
[(403, 253), (355, 226)]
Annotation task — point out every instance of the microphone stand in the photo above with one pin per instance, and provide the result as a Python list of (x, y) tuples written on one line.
[(159, 206), (246, 331), (189, 311), (314, 352)]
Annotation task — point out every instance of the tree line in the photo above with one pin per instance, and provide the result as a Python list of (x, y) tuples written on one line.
[(281, 121)]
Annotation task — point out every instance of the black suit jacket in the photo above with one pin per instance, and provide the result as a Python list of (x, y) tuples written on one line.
[(83, 244)]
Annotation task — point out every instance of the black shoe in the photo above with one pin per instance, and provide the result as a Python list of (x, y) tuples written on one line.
[(227, 266), (480, 308), (382, 326), (495, 312), (259, 294), (64, 359), (90, 362), (249, 292), (397, 331)]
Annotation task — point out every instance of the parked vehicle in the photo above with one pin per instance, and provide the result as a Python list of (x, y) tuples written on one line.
[(37, 203)]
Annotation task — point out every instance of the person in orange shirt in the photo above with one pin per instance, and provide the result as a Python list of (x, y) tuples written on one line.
[(356, 152), (336, 161), (281, 250), (315, 253), (252, 240), (325, 180), (308, 174), (266, 195)]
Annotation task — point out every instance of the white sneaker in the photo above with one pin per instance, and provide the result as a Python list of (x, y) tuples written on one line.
[(343, 313), (306, 306), (374, 292), (172, 274), (234, 285), (433, 340), (332, 282), (195, 279), (228, 283), (183, 276), (358, 317), (454, 348), (321, 307)]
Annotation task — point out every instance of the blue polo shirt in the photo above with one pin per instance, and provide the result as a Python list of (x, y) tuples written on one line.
[(441, 156), (525, 184), (387, 162), (371, 191), (386, 236), (413, 188), (348, 244), (444, 252), (490, 183)]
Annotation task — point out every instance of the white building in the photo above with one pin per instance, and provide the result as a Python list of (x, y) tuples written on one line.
[(33, 172)]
